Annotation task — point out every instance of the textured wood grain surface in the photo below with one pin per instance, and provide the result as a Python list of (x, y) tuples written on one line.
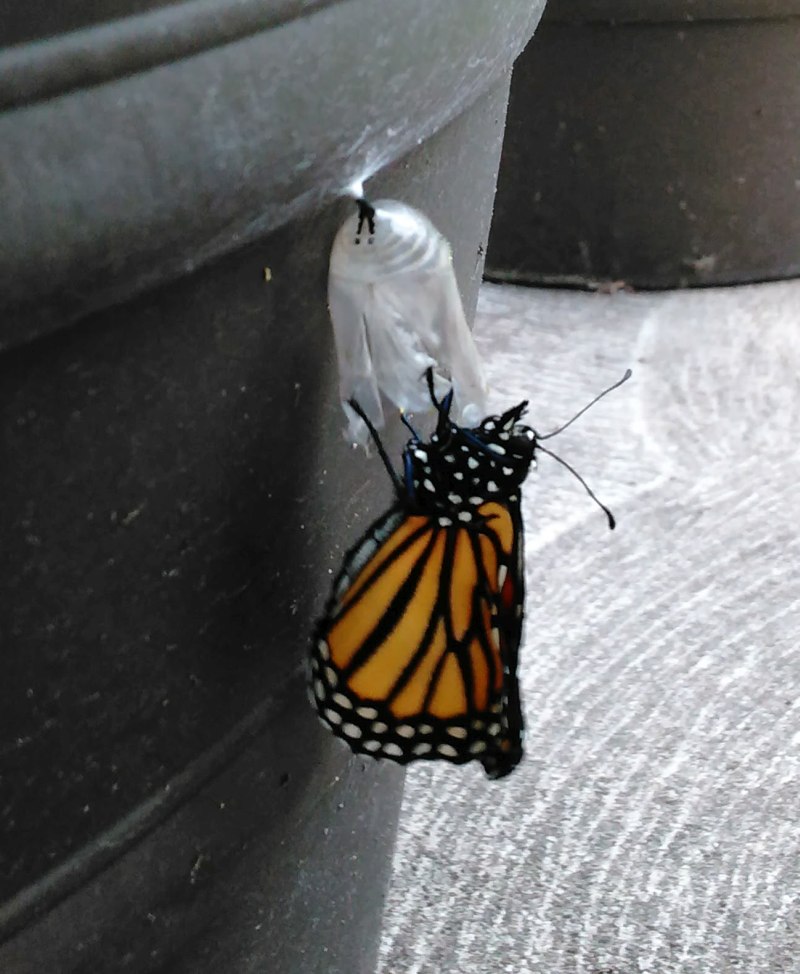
[(653, 826)]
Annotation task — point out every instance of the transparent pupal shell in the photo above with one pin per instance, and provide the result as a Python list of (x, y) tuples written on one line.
[(396, 312)]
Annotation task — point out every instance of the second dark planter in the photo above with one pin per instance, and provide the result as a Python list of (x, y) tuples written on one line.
[(656, 145)]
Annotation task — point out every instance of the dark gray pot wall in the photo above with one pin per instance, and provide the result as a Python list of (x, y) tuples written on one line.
[(656, 144), (162, 165), (176, 492)]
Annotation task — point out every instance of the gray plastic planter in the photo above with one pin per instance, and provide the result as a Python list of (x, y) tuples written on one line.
[(655, 144), (175, 489)]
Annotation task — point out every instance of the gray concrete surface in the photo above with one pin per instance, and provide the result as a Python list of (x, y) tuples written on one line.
[(653, 826)]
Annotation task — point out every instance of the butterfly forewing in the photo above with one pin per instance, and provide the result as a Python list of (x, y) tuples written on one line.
[(411, 657)]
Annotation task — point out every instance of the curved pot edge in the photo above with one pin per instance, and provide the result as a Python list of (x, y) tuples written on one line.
[(116, 209)]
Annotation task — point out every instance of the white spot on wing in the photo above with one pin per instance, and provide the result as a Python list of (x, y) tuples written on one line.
[(367, 550)]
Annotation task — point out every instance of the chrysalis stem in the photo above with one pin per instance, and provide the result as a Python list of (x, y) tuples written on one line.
[(356, 189)]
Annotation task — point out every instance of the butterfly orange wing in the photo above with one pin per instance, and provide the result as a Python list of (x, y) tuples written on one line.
[(415, 656)]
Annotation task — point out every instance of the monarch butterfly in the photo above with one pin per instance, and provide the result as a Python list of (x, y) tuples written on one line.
[(416, 653)]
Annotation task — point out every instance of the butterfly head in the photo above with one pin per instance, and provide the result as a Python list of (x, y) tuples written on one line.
[(461, 468)]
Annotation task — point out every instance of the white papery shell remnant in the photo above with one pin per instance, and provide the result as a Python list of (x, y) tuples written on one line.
[(396, 311)]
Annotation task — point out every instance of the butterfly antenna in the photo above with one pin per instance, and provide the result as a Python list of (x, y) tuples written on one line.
[(612, 521), (578, 415), (378, 445)]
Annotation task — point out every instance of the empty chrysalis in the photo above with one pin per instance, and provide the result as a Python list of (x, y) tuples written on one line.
[(396, 312)]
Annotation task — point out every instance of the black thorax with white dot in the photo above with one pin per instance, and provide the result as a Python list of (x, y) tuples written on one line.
[(460, 469)]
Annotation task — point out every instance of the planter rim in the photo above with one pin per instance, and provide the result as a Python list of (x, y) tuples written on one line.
[(111, 189), (40, 69)]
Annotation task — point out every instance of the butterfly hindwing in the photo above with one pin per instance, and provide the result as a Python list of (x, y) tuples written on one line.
[(413, 657)]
